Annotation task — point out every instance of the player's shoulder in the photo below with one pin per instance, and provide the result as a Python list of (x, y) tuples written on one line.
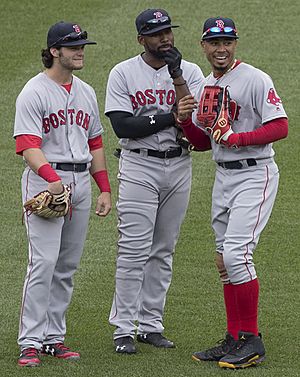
[(33, 86), (127, 64), (190, 68), (251, 71), (82, 84)]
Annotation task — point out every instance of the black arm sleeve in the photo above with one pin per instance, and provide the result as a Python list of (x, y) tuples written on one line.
[(127, 126)]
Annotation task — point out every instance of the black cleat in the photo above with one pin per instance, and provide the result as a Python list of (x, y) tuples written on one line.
[(125, 345), (249, 351), (60, 351), (217, 352), (156, 339)]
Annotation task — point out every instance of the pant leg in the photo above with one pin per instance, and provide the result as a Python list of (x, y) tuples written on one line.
[(137, 207), (174, 197), (43, 254), (72, 242), (252, 195)]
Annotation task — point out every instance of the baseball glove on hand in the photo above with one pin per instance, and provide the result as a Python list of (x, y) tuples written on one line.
[(49, 205), (213, 113)]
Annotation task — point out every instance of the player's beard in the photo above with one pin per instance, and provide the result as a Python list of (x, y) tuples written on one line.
[(156, 53), (68, 63), (219, 69)]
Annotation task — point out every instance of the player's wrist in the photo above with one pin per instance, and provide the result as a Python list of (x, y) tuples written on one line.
[(102, 181), (184, 122), (48, 173), (233, 140)]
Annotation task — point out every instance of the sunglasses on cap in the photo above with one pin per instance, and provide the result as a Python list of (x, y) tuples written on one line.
[(71, 37), (155, 21), (216, 29)]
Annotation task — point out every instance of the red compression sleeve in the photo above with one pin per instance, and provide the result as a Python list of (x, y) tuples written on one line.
[(269, 132), (101, 178), (27, 141), (195, 135), (95, 143), (48, 173)]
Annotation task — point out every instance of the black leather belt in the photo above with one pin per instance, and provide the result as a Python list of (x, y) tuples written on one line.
[(169, 153), (69, 167), (237, 164)]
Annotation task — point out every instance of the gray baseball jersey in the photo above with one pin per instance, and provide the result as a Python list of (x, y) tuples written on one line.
[(64, 121), (135, 87), (153, 196), (242, 199), (255, 100)]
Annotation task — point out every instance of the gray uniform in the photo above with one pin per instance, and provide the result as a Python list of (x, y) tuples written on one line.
[(242, 199), (64, 122), (153, 196)]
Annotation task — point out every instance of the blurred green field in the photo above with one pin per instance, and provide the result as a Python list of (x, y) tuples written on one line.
[(194, 316)]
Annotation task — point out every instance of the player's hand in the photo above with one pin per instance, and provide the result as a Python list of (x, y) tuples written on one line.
[(103, 205), (55, 187), (173, 59), (186, 106)]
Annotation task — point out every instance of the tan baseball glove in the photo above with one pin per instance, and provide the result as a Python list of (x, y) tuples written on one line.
[(214, 113), (48, 205)]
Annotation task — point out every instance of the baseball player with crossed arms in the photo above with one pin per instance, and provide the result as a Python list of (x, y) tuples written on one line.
[(154, 179), (246, 180), (58, 133)]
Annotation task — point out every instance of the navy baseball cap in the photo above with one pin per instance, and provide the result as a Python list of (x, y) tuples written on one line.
[(151, 21), (66, 34), (218, 27)]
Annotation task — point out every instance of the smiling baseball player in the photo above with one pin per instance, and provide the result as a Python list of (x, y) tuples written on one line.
[(58, 133), (238, 112)]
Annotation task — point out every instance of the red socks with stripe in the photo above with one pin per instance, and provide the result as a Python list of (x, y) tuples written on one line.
[(241, 302)]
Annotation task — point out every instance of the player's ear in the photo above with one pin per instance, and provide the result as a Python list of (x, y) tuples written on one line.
[(141, 40), (54, 51)]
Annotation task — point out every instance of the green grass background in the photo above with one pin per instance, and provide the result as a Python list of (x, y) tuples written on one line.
[(194, 315)]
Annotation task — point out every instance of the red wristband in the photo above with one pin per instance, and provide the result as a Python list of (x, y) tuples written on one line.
[(48, 173), (101, 178)]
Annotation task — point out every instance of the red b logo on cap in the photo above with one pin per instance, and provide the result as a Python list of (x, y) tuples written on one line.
[(76, 28), (220, 24), (158, 14)]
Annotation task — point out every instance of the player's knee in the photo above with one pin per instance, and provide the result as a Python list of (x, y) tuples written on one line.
[(239, 269), (222, 269)]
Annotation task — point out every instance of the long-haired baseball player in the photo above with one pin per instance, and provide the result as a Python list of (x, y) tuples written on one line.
[(58, 133), (154, 177), (242, 116)]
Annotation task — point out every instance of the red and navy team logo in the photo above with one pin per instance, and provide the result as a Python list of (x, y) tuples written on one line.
[(220, 24), (76, 28), (273, 98), (158, 14)]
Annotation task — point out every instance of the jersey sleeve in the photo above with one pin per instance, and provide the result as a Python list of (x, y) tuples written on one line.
[(29, 114), (193, 76), (96, 126), (266, 100), (117, 95)]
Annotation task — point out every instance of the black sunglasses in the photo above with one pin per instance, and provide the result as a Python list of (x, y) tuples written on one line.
[(71, 37)]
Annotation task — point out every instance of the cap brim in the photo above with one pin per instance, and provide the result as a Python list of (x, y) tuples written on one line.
[(157, 29), (79, 42), (220, 36)]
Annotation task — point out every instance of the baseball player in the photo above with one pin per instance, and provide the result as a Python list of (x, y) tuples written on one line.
[(58, 133), (245, 185), (154, 179)]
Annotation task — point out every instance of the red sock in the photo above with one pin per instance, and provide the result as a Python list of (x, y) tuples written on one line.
[(232, 314), (246, 296)]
